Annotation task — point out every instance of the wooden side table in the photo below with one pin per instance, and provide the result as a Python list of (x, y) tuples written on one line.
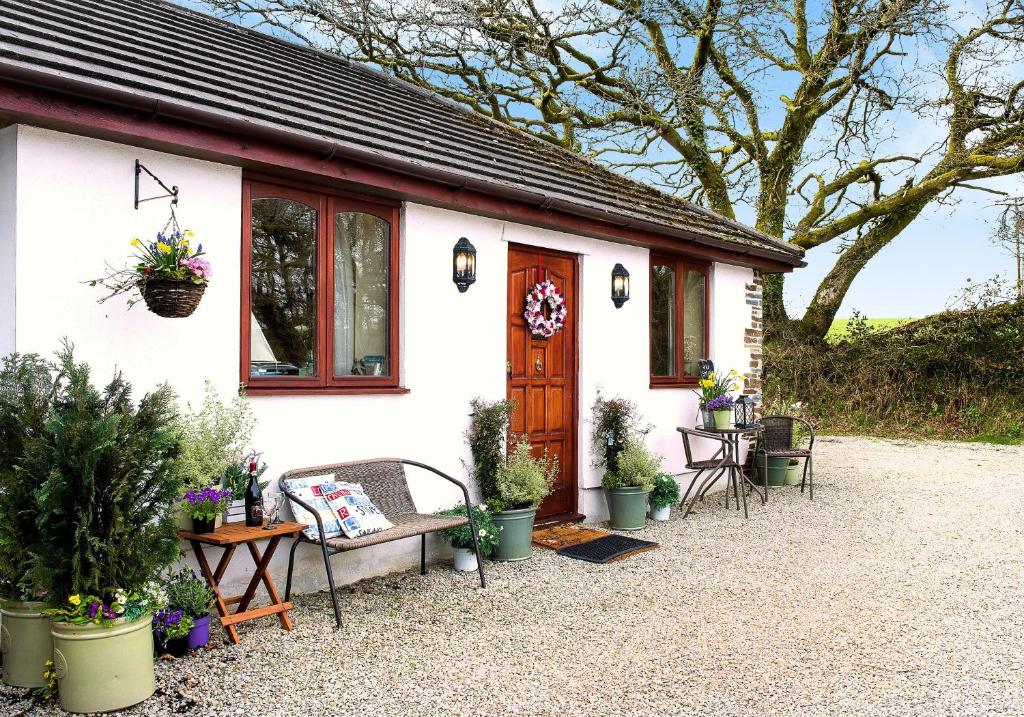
[(229, 536)]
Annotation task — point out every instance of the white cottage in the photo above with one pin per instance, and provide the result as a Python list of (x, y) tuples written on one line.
[(329, 198)]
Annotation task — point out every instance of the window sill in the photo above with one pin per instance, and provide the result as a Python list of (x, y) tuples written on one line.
[(324, 391), (687, 383)]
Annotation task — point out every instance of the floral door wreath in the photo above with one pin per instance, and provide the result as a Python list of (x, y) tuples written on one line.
[(545, 293)]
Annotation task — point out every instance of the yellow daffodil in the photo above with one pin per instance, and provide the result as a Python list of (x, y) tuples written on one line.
[(136, 242), (165, 248), (75, 600), (188, 233), (735, 387), (711, 376), (184, 243)]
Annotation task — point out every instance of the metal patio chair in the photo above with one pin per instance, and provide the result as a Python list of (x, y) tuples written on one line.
[(385, 483), (780, 438), (721, 462)]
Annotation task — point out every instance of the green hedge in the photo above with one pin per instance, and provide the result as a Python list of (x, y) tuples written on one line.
[(954, 375)]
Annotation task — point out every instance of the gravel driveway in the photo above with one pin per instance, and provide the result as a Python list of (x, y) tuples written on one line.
[(897, 591)]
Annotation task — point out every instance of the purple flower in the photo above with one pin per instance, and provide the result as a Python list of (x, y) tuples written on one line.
[(94, 607), (720, 403)]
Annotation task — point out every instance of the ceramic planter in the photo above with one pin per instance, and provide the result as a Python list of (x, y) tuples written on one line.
[(199, 635), (794, 472), (24, 642), (707, 420), (100, 668), (515, 528), (465, 560), (723, 419), (627, 507), (661, 514), (777, 468)]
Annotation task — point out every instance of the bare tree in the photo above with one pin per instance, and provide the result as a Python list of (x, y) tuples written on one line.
[(791, 113), (1009, 235)]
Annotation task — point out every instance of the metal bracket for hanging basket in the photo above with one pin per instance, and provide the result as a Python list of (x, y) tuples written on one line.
[(172, 191)]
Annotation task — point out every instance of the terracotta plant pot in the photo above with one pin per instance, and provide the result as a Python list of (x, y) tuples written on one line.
[(25, 642), (101, 668)]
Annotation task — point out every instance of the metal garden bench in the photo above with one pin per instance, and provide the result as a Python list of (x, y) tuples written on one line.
[(385, 483)]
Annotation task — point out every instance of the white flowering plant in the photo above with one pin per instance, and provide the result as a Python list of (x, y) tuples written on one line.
[(462, 536)]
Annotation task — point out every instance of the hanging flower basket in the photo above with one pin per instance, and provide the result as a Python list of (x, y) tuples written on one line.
[(171, 298), (169, 274)]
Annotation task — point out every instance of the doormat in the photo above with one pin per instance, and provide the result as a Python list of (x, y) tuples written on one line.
[(604, 550), (562, 536)]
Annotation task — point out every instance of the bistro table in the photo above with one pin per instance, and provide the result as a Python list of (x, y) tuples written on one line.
[(229, 536), (732, 437)]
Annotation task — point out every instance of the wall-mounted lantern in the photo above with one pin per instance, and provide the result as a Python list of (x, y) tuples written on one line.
[(620, 286), (463, 264)]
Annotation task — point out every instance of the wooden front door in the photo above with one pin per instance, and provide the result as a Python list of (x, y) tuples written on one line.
[(542, 372)]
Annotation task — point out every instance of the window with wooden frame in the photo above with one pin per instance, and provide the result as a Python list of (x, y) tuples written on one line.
[(319, 291), (679, 321)]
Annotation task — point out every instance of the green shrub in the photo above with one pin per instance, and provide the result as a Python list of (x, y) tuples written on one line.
[(524, 481), (637, 467), (462, 537), (665, 491), (487, 437), (26, 402), (213, 439), (105, 520), (615, 418), (955, 375), (188, 593)]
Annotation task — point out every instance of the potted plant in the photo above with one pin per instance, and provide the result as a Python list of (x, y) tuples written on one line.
[(614, 420), (105, 532), (663, 495), (205, 507), (522, 483), (627, 487), (171, 628), (191, 595), (715, 402), (461, 539), (169, 274), (721, 409), (213, 449), (26, 404)]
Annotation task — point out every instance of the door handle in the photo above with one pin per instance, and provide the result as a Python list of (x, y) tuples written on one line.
[(508, 368), (538, 365)]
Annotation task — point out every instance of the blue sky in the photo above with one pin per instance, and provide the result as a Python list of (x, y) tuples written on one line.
[(930, 262)]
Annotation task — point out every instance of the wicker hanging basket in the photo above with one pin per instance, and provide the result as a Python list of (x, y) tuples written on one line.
[(170, 298)]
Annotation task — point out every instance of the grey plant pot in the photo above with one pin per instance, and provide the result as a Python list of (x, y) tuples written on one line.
[(515, 528), (627, 507)]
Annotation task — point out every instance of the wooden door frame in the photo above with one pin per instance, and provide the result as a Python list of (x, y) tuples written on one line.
[(574, 515)]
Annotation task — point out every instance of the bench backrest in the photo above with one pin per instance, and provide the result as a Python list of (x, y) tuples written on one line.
[(383, 479)]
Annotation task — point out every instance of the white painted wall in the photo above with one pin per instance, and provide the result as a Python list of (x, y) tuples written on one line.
[(75, 212), (8, 236)]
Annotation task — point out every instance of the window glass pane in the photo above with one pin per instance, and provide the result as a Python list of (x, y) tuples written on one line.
[(361, 295), (663, 320), (694, 315), (283, 288)]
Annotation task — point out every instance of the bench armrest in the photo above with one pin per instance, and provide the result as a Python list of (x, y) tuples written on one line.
[(309, 509)]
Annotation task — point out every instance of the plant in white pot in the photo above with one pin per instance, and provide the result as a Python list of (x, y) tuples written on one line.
[(26, 404), (664, 494), (461, 538), (106, 532), (627, 487)]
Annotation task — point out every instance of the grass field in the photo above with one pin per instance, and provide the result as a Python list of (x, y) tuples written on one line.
[(838, 328)]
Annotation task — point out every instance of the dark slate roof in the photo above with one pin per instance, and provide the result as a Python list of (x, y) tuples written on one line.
[(186, 59)]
